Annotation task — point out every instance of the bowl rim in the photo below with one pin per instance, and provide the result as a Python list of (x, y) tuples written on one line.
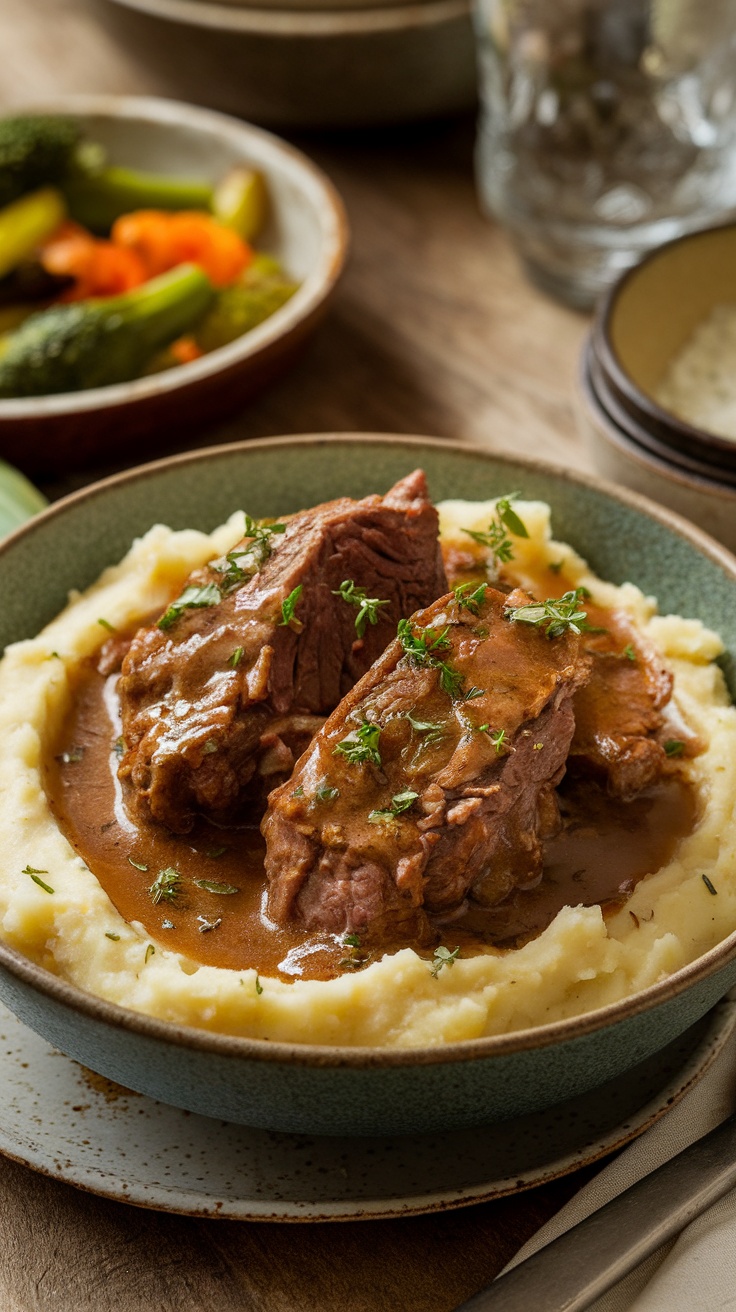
[(278, 22), (692, 480), (314, 290), (240, 1048), (716, 451)]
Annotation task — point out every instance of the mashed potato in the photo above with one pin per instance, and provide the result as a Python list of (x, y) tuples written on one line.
[(579, 963)]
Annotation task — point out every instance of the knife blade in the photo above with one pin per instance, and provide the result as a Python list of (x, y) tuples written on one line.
[(574, 1270)]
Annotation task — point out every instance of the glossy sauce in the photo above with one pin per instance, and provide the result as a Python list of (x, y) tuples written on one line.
[(605, 847)]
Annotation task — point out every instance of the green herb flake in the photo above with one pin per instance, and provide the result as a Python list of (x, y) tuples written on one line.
[(240, 564), (166, 887), (674, 747), (191, 599), (472, 693), (367, 607), (236, 657), (326, 792), (31, 870), (119, 746), (443, 957), (468, 600), (629, 652), (210, 886), (361, 745), (499, 740), (710, 887), (289, 605), (150, 952), (354, 960), (496, 537), (214, 852), (298, 792), (400, 802), (554, 616), (137, 864), (107, 625), (115, 937), (259, 986), (434, 731), (421, 649), (72, 757)]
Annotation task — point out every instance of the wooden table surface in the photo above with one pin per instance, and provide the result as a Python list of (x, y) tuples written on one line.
[(434, 331)]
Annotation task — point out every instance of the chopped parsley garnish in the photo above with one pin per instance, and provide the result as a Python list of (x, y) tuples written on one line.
[(674, 747), (443, 957), (166, 887), (555, 615), (361, 745), (210, 886), (206, 925), (71, 757), (498, 738), (496, 537), (468, 600), (235, 659), (191, 599), (367, 606), (107, 625), (433, 731), (288, 606), (31, 870), (137, 864), (150, 952), (259, 986), (242, 563), (400, 802), (115, 937), (326, 792), (298, 792), (119, 746), (353, 960), (710, 887), (472, 693), (422, 649), (629, 652)]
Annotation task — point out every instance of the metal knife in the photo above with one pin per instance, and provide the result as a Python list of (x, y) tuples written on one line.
[(574, 1270)]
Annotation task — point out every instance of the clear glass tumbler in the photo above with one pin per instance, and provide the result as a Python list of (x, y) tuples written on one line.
[(607, 127)]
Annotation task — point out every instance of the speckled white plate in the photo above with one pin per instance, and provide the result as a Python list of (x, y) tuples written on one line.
[(63, 1120)]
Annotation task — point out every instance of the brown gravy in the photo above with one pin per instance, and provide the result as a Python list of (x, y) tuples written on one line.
[(605, 847)]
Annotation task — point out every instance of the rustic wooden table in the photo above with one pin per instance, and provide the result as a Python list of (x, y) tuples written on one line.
[(434, 331)]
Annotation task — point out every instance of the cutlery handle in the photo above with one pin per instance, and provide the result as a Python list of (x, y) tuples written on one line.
[(575, 1269)]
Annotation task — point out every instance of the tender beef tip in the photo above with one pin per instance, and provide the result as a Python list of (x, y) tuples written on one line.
[(217, 705), (433, 780), (619, 714)]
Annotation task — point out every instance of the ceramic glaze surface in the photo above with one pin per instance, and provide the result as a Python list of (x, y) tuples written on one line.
[(344, 1091)]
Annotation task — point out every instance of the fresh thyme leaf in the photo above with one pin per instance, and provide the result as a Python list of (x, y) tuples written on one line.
[(710, 887), (242, 563), (326, 792), (433, 731), (298, 792), (451, 680), (421, 649), (191, 599), (107, 625), (166, 887), (443, 957), (674, 747), (399, 802), (214, 852), (259, 986), (367, 606), (288, 606), (498, 739), (472, 693), (137, 864), (235, 659), (468, 600), (205, 925), (354, 960), (30, 870), (119, 746), (361, 745), (496, 537), (629, 652), (115, 937), (71, 757), (150, 952), (352, 940), (555, 615), (210, 886)]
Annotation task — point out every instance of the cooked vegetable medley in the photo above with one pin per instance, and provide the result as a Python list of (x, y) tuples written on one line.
[(107, 274)]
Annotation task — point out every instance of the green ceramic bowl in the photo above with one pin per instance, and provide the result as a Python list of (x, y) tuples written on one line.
[(322, 1090)]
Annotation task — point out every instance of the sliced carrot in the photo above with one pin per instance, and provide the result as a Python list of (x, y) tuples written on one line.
[(185, 350), (162, 240), (98, 267)]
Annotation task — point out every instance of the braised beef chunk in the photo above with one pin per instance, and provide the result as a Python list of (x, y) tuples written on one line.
[(619, 721), (433, 780), (222, 694)]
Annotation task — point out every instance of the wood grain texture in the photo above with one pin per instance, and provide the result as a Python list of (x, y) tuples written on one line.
[(435, 331)]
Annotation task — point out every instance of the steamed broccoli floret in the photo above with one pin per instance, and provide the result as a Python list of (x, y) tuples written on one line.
[(71, 348), (35, 151), (258, 294)]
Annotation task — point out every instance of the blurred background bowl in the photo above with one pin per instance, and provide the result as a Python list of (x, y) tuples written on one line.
[(343, 63), (342, 1090), (307, 231)]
